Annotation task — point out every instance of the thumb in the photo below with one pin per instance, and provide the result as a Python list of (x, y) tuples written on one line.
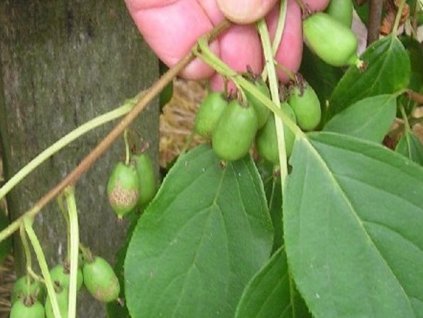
[(244, 12)]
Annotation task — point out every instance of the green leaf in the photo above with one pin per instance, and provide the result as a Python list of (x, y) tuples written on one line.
[(369, 118), (275, 207), (200, 241), (410, 146), (415, 53), (270, 293), (353, 220), (387, 72)]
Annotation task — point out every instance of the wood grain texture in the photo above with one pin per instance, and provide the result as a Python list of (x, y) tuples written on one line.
[(61, 64)]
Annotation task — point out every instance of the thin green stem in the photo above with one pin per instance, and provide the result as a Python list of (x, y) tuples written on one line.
[(64, 212), (278, 33), (86, 252), (74, 245), (64, 141), (398, 17), (35, 276), (281, 26), (27, 221), (202, 50), (127, 152), (274, 91), (405, 117), (26, 249)]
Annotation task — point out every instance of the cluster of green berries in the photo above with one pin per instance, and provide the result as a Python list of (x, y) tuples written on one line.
[(29, 299)]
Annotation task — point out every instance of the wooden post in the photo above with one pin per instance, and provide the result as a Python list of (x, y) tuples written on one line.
[(62, 63)]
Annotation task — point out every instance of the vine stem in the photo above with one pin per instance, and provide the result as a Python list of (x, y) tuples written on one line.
[(66, 217), (74, 248), (27, 221), (278, 33), (405, 118), (273, 83), (398, 17), (104, 144), (26, 249), (63, 142)]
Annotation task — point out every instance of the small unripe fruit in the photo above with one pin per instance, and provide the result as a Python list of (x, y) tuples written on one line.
[(60, 275), (342, 11), (23, 288), (235, 131), (329, 39), (62, 297), (261, 110), (267, 141), (123, 189), (146, 176), (100, 280), (208, 113), (306, 106), (27, 308)]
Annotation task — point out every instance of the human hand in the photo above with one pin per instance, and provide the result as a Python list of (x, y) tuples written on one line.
[(171, 28)]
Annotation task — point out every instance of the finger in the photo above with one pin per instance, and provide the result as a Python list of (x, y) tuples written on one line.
[(136, 5), (244, 12), (212, 10), (316, 5), (290, 50), (172, 30), (240, 48)]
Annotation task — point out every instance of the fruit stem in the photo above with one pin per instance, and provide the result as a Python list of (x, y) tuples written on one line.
[(273, 83), (27, 252), (405, 118), (65, 216), (127, 152), (398, 17), (86, 253), (281, 26), (202, 50), (64, 141), (27, 221), (278, 33), (208, 57), (73, 252)]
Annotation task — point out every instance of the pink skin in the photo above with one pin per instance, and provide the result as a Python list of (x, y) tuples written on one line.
[(171, 28), (240, 40), (246, 11), (316, 5), (290, 49)]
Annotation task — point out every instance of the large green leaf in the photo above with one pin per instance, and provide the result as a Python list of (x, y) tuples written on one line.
[(410, 146), (207, 232), (275, 208), (271, 294), (353, 220), (369, 118), (415, 53), (387, 72)]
